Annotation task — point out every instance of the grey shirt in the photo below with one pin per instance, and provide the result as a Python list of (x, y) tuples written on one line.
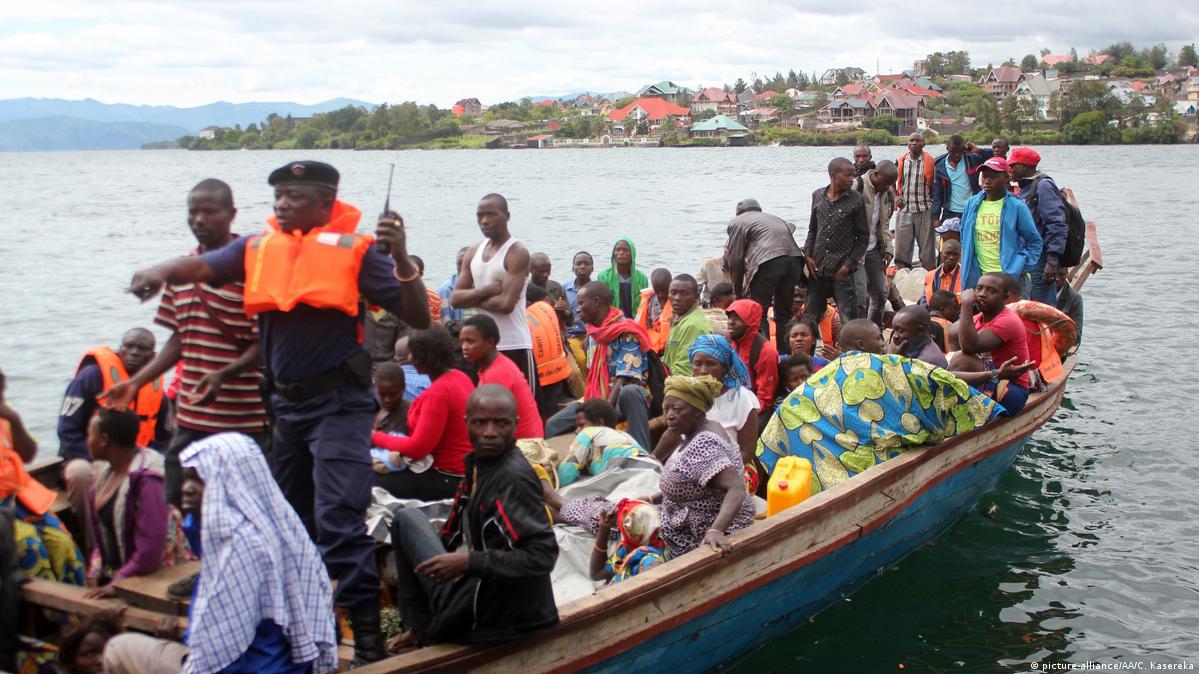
[(758, 237)]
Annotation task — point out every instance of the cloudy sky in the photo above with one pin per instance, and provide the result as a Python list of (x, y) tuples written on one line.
[(190, 53)]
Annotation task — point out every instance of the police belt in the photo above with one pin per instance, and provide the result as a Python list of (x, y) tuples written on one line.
[(355, 371)]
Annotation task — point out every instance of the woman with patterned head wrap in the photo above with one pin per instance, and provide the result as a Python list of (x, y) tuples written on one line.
[(735, 409)]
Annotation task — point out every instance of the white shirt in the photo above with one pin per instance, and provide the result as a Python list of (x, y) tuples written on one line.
[(732, 410)]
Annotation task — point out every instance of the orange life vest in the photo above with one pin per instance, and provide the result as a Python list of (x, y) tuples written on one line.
[(944, 323), (826, 327), (935, 274), (548, 351), (15, 481), (149, 397), (659, 332), (318, 268), (1057, 335)]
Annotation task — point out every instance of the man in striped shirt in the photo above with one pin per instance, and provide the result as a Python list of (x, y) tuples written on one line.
[(213, 339)]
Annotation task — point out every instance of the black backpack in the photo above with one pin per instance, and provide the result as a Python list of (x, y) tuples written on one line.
[(1076, 226), (656, 373)]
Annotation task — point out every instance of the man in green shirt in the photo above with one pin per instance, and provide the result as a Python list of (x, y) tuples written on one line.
[(689, 323)]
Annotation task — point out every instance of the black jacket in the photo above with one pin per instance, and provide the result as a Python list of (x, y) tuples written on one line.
[(499, 512)]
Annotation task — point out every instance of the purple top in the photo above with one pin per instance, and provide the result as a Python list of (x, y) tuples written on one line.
[(145, 523)]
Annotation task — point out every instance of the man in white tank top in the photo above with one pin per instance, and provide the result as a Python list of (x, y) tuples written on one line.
[(493, 281)]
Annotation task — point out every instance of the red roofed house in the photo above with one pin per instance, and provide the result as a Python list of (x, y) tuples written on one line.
[(1097, 59), (653, 110), (1001, 81), (765, 96), (1054, 60), (716, 100), (468, 107)]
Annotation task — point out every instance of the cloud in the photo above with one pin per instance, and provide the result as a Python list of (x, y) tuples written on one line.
[(188, 53)]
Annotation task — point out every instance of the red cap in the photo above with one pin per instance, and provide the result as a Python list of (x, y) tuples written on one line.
[(1024, 155), (996, 164)]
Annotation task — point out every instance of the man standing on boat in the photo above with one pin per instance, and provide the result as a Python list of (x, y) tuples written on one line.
[(1043, 199), (305, 277), (765, 264), (493, 278), (838, 234), (215, 341), (913, 200), (955, 181)]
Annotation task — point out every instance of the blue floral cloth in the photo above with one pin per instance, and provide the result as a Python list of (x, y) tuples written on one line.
[(862, 409), (623, 564)]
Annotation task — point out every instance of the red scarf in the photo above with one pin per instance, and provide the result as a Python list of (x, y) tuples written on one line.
[(610, 330)]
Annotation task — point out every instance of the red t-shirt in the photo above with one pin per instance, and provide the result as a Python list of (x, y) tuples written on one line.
[(505, 373), (437, 421), (1007, 326)]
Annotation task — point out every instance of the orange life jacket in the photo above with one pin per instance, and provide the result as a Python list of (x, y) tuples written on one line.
[(944, 323), (548, 351), (15, 481), (935, 274), (149, 397), (1055, 331), (659, 332), (826, 327), (318, 268)]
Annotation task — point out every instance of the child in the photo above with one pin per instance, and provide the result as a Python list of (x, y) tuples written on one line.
[(392, 418), (793, 371), (640, 548), (596, 443), (943, 310)]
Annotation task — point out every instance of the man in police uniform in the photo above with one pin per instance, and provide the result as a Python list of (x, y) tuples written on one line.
[(305, 277)]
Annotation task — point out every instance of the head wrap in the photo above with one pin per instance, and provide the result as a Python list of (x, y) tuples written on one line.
[(719, 349), (698, 392), (639, 524), (259, 563)]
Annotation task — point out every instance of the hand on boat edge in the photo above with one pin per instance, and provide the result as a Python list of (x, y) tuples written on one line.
[(719, 541)]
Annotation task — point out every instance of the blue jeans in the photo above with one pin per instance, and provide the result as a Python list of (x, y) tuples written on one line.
[(1039, 291)]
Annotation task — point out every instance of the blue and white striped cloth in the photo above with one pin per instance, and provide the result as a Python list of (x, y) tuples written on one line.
[(259, 563)]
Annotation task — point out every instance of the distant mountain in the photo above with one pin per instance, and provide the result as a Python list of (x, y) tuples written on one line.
[(69, 133), (612, 96), (191, 119)]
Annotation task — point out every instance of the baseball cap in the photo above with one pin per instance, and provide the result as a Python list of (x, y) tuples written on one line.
[(1024, 155), (996, 164)]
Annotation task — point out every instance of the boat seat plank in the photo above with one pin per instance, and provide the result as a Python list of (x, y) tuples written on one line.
[(150, 592), (70, 599)]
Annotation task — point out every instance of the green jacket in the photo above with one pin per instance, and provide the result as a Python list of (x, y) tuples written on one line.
[(682, 334), (611, 278)]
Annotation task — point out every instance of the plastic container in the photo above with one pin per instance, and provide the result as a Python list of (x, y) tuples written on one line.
[(790, 483)]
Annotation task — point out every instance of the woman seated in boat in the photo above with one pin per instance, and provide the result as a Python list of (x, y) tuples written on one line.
[(392, 417), (702, 495), (127, 512), (44, 548), (802, 334), (640, 547), (865, 407), (596, 443), (736, 408), (436, 424)]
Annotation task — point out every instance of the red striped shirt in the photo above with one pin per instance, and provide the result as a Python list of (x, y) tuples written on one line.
[(206, 349)]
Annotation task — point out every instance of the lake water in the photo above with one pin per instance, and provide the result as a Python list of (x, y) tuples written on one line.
[(1090, 553)]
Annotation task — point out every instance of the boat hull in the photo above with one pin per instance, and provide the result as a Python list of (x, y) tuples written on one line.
[(735, 629)]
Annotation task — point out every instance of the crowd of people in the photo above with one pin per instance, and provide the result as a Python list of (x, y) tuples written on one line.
[(311, 365)]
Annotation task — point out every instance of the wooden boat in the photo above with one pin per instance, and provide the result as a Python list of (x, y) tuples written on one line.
[(703, 609)]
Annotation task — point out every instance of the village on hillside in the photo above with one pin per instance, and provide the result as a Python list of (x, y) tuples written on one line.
[(1117, 95)]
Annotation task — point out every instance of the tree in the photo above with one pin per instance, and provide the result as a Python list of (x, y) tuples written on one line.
[(792, 80), (957, 62), (1009, 113), (642, 127), (1054, 109), (784, 103), (1133, 65), (1157, 56), (1073, 55), (890, 123), (1187, 56), (1045, 52), (1091, 128), (1029, 63), (739, 86), (1119, 50)]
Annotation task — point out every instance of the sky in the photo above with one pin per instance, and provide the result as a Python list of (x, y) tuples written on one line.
[(191, 53)]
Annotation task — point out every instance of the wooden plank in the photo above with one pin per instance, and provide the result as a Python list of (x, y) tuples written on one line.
[(70, 599), (47, 471), (150, 592)]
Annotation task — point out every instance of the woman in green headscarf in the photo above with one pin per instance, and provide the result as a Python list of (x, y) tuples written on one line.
[(623, 278)]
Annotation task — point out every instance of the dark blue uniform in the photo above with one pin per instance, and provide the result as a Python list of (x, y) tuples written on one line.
[(321, 447)]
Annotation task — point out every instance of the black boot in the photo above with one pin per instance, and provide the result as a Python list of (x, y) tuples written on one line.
[(368, 638)]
